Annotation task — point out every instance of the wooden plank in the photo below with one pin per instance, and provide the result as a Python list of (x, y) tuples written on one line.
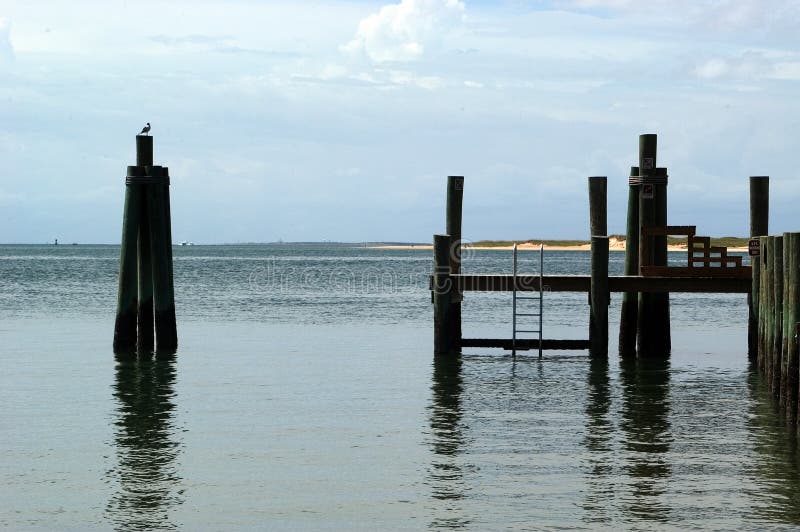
[(670, 230), (741, 272), (526, 343), (619, 283)]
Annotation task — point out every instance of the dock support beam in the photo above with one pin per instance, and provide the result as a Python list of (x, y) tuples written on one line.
[(653, 327), (599, 293), (455, 197), (759, 226), (445, 342), (599, 298)]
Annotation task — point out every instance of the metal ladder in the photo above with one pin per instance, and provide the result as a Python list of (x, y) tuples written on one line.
[(515, 297)]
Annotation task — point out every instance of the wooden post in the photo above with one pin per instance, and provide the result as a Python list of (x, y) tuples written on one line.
[(444, 340), (765, 284), (144, 319), (455, 196), (598, 205), (627, 322), (161, 251), (599, 297), (653, 312), (127, 294), (759, 226), (598, 226), (777, 314), (763, 303), (791, 317)]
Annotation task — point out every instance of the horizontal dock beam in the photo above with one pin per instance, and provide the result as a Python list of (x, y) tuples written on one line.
[(619, 283), (524, 344)]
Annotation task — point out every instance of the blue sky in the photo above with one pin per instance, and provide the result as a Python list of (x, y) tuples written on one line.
[(341, 120)]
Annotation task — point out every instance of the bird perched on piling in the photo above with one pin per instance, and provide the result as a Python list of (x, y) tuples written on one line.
[(145, 130)]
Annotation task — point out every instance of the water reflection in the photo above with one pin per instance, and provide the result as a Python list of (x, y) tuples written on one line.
[(776, 464), (598, 440), (446, 475), (645, 429), (146, 444)]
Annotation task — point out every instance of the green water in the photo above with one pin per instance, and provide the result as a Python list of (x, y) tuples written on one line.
[(304, 396)]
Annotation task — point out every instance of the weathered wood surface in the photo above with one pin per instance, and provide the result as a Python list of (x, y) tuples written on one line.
[(599, 297)]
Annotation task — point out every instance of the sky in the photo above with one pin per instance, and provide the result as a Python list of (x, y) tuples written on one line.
[(340, 120)]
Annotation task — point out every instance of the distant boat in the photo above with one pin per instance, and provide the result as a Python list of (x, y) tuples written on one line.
[(186, 243)]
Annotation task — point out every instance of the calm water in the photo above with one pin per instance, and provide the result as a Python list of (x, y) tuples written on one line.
[(304, 397)]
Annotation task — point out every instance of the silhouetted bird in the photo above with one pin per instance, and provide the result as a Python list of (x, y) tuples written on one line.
[(145, 129)]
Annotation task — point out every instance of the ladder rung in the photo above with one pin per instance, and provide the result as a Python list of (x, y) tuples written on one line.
[(527, 297), (521, 331), (518, 314)]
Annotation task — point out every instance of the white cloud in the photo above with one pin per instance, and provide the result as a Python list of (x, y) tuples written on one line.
[(403, 32), (6, 50)]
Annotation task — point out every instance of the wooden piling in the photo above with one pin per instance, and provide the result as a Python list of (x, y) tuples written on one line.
[(764, 304), (455, 197), (598, 206), (627, 322), (161, 251), (444, 327), (791, 317), (759, 226), (144, 318), (776, 311), (146, 299), (599, 297), (653, 336), (127, 293), (598, 227)]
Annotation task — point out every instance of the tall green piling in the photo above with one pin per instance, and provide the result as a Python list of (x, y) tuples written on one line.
[(146, 300), (777, 314), (764, 289), (765, 307), (759, 226), (628, 314), (444, 338), (791, 317), (127, 293), (455, 197), (144, 319), (653, 328), (161, 250), (599, 297)]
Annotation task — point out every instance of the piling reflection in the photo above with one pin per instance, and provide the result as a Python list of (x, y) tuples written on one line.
[(598, 441), (146, 444), (645, 429), (446, 476), (776, 464)]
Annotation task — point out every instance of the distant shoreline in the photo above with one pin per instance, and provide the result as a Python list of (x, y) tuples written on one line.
[(614, 244)]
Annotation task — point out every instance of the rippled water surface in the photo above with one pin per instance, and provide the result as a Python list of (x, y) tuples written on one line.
[(304, 396)]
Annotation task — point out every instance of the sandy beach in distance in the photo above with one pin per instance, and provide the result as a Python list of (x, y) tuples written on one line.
[(614, 244)]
